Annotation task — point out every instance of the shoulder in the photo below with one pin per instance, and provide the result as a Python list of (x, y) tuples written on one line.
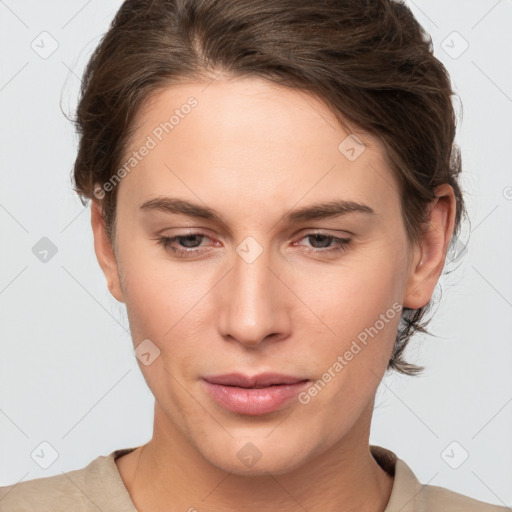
[(90, 488), (409, 495), (53, 493), (440, 498)]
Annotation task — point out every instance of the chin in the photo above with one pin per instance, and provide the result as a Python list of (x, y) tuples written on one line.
[(257, 456)]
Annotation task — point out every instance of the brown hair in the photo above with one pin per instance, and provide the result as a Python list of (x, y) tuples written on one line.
[(369, 61)]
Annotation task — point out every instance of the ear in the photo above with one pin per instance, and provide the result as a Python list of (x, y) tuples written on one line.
[(429, 253), (105, 252)]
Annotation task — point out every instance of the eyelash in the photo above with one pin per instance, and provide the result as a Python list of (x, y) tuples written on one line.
[(166, 242)]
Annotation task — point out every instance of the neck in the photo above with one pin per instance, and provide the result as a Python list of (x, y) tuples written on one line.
[(169, 472)]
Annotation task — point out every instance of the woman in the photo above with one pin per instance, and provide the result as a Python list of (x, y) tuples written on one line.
[(274, 191)]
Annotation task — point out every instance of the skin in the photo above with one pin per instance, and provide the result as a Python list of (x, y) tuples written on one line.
[(253, 151)]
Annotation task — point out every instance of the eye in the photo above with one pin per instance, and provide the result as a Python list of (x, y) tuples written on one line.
[(188, 245), (191, 242), (323, 242)]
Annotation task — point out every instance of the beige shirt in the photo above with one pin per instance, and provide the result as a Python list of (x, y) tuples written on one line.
[(99, 487)]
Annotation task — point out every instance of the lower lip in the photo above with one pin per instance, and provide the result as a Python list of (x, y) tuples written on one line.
[(252, 401)]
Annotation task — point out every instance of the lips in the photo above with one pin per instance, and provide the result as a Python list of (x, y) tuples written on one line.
[(263, 380), (253, 395)]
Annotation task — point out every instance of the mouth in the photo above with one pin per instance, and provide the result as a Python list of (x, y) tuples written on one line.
[(253, 395)]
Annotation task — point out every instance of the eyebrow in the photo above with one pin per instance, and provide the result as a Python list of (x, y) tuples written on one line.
[(315, 211)]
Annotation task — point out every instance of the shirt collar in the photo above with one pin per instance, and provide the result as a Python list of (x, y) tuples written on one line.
[(405, 484)]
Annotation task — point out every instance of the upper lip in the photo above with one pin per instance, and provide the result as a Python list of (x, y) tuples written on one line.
[(261, 380)]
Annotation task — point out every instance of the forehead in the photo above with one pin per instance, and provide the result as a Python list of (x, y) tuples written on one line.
[(250, 140), (231, 110)]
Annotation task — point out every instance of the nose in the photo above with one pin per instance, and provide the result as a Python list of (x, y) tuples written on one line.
[(253, 303)]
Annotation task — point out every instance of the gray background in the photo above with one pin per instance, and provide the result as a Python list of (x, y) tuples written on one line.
[(68, 374)]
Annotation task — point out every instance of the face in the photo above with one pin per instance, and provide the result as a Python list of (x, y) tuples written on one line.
[(254, 278)]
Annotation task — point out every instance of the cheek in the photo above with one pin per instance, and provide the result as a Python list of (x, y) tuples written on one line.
[(360, 303), (350, 296), (159, 302), (157, 293), (363, 309), (167, 305)]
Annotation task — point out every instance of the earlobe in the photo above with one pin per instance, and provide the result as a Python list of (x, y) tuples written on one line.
[(430, 253), (105, 252)]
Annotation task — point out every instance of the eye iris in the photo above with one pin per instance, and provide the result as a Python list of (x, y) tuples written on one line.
[(190, 238), (324, 238)]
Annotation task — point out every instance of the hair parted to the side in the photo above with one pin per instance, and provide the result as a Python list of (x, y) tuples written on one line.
[(369, 61)]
